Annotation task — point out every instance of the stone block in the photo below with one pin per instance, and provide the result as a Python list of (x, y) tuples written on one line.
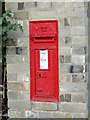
[(77, 21), (58, 114), (12, 68), (15, 114), (79, 50), (32, 114), (19, 105), (36, 14), (21, 15), (67, 59), (79, 115), (11, 77), (72, 107), (18, 86), (21, 6), (19, 34), (62, 58), (29, 5), (17, 59), (65, 68), (43, 5), (12, 95), (79, 30), (79, 97), (23, 42), (77, 78), (44, 106), (77, 69), (17, 50), (73, 87), (65, 78), (66, 21), (64, 50), (12, 7), (76, 12), (58, 5), (65, 97), (78, 59), (23, 76), (45, 114), (67, 40), (64, 32), (23, 95)]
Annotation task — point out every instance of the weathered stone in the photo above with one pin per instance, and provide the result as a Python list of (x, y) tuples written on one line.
[(78, 78), (43, 5), (77, 21), (44, 106), (23, 42), (23, 94), (67, 59), (65, 68), (79, 50), (15, 114), (62, 58), (45, 114), (82, 30), (77, 69), (66, 21), (73, 87), (65, 78), (36, 14), (79, 115), (72, 107), (17, 50), (23, 77), (18, 68), (12, 7), (67, 40), (64, 32), (12, 95), (32, 114), (62, 98), (18, 86), (68, 97), (78, 59), (19, 34), (21, 6), (29, 5), (21, 15), (17, 59), (19, 105), (11, 77), (58, 114), (65, 50), (79, 97), (80, 40)]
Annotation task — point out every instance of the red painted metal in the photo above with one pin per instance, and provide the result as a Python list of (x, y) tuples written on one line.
[(44, 84)]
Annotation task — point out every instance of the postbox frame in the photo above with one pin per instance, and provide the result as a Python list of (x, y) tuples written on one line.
[(34, 97)]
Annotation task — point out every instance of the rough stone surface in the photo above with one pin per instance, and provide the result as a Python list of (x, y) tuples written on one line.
[(73, 60), (44, 106)]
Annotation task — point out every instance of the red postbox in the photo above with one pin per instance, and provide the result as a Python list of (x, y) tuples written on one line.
[(44, 83)]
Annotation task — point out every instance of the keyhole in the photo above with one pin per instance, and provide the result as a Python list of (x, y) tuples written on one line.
[(40, 75)]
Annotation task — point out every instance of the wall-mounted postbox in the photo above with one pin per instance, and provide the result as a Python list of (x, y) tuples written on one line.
[(44, 60)]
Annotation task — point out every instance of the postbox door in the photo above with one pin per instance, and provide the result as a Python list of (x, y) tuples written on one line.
[(44, 60), (45, 79)]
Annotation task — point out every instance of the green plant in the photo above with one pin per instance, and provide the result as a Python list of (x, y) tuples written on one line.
[(5, 27)]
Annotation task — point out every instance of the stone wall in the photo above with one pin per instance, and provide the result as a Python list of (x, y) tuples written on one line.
[(73, 61)]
